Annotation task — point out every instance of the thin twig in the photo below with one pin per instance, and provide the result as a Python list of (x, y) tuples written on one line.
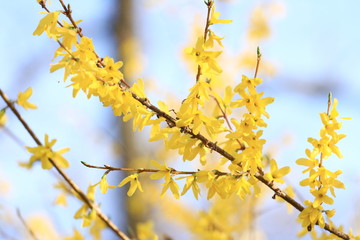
[(209, 4), (328, 114), (258, 59), (68, 51), (67, 12), (151, 170), (139, 170), (30, 231), (224, 115), (71, 183)]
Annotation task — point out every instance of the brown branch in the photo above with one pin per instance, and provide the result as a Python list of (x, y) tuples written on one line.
[(279, 192), (71, 183)]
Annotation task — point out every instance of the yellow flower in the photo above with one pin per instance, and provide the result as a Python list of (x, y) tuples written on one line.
[(275, 173), (145, 231), (170, 183), (311, 162), (44, 153), (164, 170), (48, 24), (77, 236), (61, 199), (330, 125), (311, 216), (192, 149), (87, 214), (191, 183), (104, 185), (259, 27), (206, 59), (253, 102), (215, 17), (69, 36), (312, 181), (85, 50), (331, 182), (321, 146), (247, 83), (211, 39), (23, 97), (113, 73), (134, 183), (3, 118), (321, 197), (242, 187), (330, 213)]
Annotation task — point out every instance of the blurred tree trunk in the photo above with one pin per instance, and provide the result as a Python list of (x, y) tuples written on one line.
[(124, 33), (127, 51)]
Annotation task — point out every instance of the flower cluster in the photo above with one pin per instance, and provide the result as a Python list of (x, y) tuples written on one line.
[(322, 181), (247, 131), (95, 76), (191, 112)]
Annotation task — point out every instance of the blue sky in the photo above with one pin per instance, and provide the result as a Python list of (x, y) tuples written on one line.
[(314, 43)]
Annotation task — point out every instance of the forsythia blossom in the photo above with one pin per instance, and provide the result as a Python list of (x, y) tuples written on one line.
[(23, 98), (104, 185), (44, 153), (134, 184), (3, 118), (275, 173), (311, 215)]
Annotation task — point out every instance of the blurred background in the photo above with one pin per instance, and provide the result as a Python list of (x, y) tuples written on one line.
[(309, 48)]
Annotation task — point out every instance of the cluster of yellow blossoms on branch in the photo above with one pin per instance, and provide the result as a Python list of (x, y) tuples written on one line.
[(321, 180), (190, 130)]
